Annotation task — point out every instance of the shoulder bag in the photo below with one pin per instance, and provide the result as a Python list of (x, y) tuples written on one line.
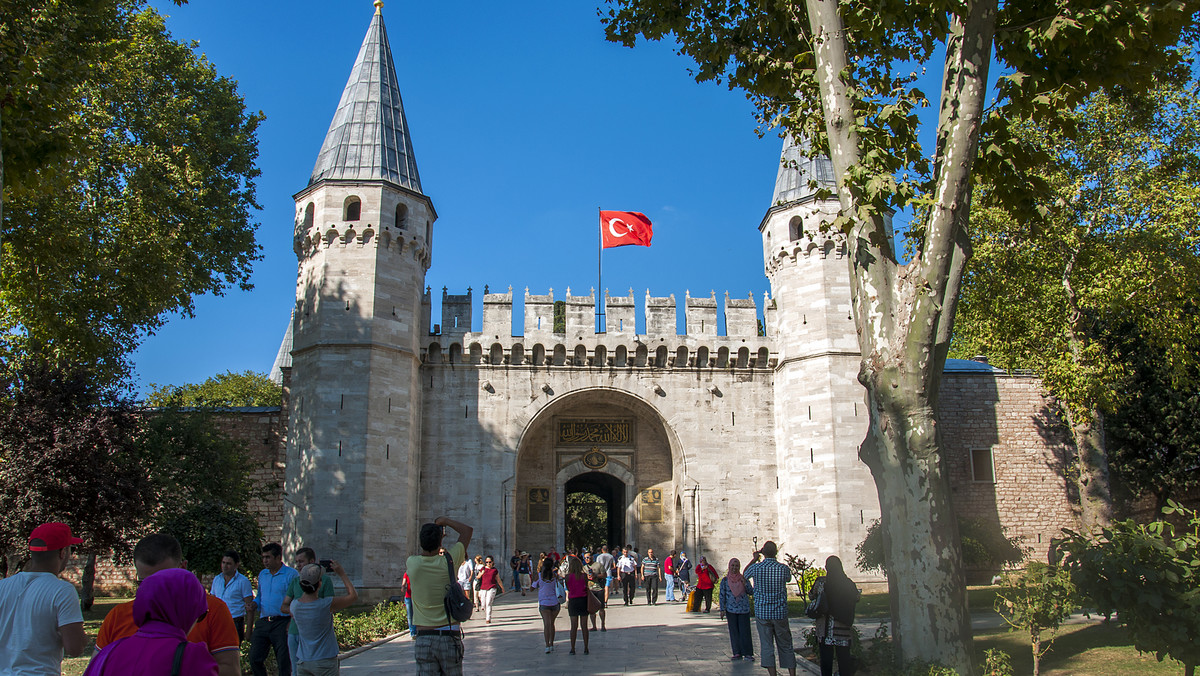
[(819, 605), (458, 607)]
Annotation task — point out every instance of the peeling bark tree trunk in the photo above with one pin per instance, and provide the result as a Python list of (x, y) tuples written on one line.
[(904, 315), (1092, 478), (88, 582)]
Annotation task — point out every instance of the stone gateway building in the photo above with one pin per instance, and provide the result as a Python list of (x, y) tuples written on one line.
[(699, 441)]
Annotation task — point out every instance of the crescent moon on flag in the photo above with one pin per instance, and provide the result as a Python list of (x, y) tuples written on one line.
[(613, 230)]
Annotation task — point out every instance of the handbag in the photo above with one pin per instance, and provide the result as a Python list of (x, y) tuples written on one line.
[(458, 606), (560, 590), (595, 605), (818, 606)]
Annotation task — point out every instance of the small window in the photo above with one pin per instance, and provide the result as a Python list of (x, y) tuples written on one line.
[(401, 216), (353, 208), (309, 213), (795, 228), (983, 470)]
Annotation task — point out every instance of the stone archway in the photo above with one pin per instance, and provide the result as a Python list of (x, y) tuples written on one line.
[(602, 432)]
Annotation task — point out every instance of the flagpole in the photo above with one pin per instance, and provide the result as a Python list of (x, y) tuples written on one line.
[(600, 328)]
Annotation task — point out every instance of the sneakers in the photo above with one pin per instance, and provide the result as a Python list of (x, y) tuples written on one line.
[(547, 650), (735, 658)]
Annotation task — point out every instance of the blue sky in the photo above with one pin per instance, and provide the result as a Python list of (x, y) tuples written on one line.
[(524, 120)]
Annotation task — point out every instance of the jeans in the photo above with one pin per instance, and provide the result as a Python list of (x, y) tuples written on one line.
[(412, 626), (516, 586), (294, 648), (651, 582), (670, 587), (772, 633), (269, 635), (740, 641)]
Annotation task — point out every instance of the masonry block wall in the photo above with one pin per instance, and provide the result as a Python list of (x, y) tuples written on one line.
[(1006, 420)]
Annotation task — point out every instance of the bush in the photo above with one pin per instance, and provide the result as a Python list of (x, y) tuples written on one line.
[(383, 620), (996, 662), (1036, 601)]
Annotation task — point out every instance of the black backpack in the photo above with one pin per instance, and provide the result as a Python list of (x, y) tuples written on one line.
[(458, 607)]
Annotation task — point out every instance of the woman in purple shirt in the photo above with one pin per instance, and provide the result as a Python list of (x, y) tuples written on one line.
[(546, 584)]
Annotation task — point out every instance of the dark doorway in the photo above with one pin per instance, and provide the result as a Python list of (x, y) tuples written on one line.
[(595, 511)]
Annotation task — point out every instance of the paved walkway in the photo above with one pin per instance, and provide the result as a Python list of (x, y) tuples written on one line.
[(641, 640)]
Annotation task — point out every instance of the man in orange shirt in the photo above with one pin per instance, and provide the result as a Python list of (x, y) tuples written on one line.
[(161, 552)]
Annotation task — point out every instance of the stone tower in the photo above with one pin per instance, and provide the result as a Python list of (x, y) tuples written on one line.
[(363, 239), (826, 494)]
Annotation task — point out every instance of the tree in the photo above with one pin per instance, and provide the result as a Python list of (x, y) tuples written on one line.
[(587, 521), (152, 197), (66, 454), (1117, 254), (228, 389), (1036, 600), (1154, 435), (841, 77), (202, 481), (1149, 575)]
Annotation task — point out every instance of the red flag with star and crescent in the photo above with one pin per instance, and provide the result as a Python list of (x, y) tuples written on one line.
[(620, 228)]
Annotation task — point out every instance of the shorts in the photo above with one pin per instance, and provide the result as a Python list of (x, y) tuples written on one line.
[(577, 607), (608, 581)]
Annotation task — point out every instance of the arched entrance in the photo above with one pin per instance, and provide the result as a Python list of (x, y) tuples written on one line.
[(604, 456), (595, 511)]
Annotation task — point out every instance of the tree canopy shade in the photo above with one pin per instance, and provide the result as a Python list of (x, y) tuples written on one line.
[(227, 389), (153, 164), (67, 454), (841, 77), (1108, 278)]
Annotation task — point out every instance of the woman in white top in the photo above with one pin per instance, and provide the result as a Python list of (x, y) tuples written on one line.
[(466, 574)]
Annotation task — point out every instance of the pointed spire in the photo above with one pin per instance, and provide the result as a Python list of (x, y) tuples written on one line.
[(796, 171), (368, 138)]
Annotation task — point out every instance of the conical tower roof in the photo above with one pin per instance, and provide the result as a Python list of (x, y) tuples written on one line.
[(368, 138), (796, 172)]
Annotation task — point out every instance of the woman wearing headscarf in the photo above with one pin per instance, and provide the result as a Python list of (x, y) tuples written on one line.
[(706, 580), (836, 618), (734, 598), (167, 604)]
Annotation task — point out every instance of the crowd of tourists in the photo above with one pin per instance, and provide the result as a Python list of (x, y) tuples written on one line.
[(173, 626)]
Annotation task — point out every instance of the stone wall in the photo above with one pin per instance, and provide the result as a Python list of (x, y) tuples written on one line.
[(1028, 493)]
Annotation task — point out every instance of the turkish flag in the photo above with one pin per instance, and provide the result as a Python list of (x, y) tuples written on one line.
[(619, 228)]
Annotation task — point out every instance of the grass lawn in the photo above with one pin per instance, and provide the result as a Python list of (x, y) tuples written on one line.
[(92, 619), (1102, 649), (979, 599)]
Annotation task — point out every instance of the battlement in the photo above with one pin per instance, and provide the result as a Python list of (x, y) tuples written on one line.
[(341, 236), (811, 245), (574, 317)]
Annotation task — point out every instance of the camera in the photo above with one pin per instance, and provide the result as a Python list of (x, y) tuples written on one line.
[(327, 564)]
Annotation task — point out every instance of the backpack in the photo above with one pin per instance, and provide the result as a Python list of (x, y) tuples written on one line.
[(458, 607)]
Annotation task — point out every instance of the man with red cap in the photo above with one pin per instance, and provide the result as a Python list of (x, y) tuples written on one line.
[(40, 619)]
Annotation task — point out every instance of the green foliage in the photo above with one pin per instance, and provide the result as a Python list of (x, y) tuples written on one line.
[(1154, 436), (228, 389), (153, 165), (67, 454), (803, 573), (560, 316), (1037, 600), (202, 478), (1150, 575), (996, 662), (586, 521), (985, 545), (207, 529), (383, 620)]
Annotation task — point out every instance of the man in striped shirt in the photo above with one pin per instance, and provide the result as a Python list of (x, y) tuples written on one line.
[(770, 609), (649, 576)]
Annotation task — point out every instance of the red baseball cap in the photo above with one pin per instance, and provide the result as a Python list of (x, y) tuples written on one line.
[(55, 535)]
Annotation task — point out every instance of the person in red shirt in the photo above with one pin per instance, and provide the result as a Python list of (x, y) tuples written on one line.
[(216, 628), (706, 578), (412, 628), (489, 583)]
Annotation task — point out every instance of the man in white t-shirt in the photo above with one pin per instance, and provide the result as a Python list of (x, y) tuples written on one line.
[(40, 619), (627, 567)]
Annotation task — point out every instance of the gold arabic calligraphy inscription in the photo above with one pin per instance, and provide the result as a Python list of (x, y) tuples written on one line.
[(591, 432)]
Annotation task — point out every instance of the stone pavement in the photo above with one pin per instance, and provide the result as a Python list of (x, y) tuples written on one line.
[(641, 640)]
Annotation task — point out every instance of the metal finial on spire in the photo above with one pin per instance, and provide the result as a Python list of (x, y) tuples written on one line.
[(379, 6)]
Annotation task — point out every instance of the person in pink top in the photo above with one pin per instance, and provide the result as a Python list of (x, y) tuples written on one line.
[(577, 603), (167, 604)]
